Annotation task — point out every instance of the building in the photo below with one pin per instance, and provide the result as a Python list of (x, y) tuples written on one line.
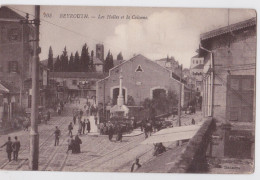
[(196, 71), (171, 64), (195, 61), (15, 59), (75, 84), (229, 83), (142, 78), (100, 51)]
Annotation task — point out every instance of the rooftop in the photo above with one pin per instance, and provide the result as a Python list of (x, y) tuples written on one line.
[(8, 87), (199, 66), (91, 75), (227, 29)]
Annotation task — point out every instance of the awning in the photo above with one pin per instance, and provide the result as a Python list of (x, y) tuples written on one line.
[(3, 89), (172, 134)]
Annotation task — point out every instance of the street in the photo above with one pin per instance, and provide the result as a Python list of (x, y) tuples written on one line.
[(97, 152)]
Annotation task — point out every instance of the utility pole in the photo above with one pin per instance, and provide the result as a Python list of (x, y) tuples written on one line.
[(179, 104), (34, 135)]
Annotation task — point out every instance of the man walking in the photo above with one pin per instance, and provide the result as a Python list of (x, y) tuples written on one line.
[(83, 126), (9, 148), (74, 119), (70, 127), (88, 125), (57, 136), (16, 148)]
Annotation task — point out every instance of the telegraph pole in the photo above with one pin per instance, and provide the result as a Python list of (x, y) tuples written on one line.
[(179, 104), (34, 135)]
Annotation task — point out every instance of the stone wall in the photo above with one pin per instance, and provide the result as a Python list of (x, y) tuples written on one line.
[(193, 158)]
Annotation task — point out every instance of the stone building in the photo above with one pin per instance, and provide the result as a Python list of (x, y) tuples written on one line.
[(171, 64), (15, 49), (76, 84), (229, 86), (15, 60), (142, 78)]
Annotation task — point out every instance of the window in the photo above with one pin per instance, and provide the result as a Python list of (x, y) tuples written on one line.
[(139, 69), (13, 35), (234, 84), (13, 66), (74, 82), (197, 62)]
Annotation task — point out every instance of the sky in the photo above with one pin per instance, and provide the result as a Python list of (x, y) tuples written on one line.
[(166, 31)]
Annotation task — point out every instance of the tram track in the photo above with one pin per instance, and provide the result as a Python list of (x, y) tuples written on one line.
[(115, 151), (49, 131)]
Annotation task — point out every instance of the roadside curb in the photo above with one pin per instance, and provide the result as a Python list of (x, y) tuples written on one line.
[(125, 135)]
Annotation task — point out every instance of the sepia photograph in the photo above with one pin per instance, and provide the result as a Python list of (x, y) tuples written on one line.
[(127, 89)]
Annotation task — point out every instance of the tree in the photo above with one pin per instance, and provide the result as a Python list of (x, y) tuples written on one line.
[(119, 56), (109, 62), (64, 60), (130, 101), (71, 63), (106, 62), (161, 104), (91, 63), (50, 59), (57, 65), (77, 65), (84, 58)]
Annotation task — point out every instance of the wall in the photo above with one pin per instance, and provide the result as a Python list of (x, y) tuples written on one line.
[(193, 158), (229, 55), (137, 84)]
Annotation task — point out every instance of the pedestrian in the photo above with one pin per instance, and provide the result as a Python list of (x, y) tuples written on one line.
[(146, 129), (136, 165), (83, 126), (192, 121), (110, 132), (70, 128), (81, 112), (26, 125), (88, 125), (119, 134), (16, 148), (57, 136), (9, 148), (70, 144), (77, 144), (80, 127), (59, 110)]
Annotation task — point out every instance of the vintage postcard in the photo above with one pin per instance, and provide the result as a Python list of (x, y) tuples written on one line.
[(127, 89)]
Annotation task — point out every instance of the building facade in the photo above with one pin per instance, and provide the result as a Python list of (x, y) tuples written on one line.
[(75, 84), (230, 58), (229, 87), (100, 51), (141, 79)]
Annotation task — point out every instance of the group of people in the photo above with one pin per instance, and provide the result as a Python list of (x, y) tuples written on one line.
[(60, 107), (91, 109), (12, 147), (111, 129), (74, 144)]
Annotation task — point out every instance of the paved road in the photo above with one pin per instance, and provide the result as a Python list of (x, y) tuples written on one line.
[(98, 153)]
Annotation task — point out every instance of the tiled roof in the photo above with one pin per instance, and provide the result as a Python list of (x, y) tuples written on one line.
[(91, 75), (10, 86), (200, 66), (7, 13), (227, 29)]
